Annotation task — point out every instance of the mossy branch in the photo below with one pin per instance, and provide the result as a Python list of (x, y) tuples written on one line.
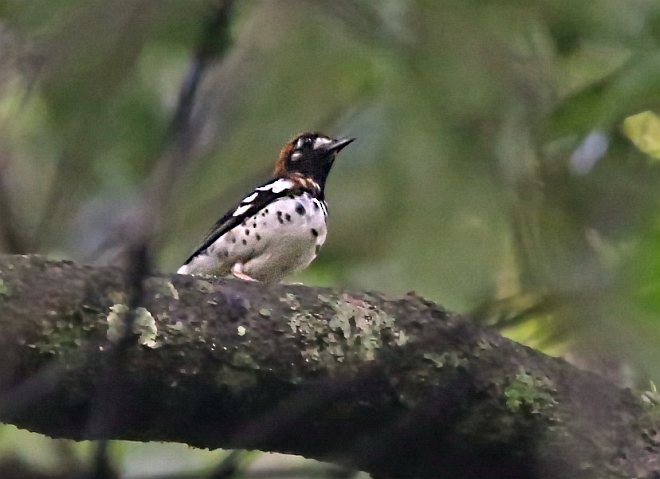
[(398, 387)]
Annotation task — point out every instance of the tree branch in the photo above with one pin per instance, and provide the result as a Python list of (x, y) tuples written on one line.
[(398, 387)]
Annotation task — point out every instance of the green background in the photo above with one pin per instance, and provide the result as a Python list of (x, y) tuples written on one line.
[(506, 161)]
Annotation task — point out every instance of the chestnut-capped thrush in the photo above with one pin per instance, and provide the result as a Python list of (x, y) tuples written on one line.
[(280, 226)]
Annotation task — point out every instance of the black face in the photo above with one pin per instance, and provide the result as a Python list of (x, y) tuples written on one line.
[(313, 154)]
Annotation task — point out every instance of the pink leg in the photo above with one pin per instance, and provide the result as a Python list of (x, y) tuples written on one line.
[(237, 271)]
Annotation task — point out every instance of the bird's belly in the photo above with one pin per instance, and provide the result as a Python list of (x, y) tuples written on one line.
[(291, 233), (279, 239)]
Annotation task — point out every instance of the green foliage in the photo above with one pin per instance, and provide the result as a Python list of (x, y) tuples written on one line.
[(643, 129), (500, 166)]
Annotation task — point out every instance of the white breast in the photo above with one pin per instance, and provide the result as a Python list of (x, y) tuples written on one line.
[(279, 239), (294, 229)]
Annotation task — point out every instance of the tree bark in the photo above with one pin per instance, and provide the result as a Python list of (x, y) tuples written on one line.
[(396, 386)]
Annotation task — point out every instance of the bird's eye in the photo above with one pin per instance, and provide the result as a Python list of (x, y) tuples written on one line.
[(303, 143)]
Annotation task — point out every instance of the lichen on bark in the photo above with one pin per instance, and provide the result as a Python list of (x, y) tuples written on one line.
[(395, 386)]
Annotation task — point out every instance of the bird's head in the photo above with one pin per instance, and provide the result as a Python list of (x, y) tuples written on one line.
[(311, 155)]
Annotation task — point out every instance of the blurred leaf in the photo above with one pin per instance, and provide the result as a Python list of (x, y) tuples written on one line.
[(604, 103), (643, 129)]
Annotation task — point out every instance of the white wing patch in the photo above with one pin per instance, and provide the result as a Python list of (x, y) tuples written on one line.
[(249, 199), (241, 209), (277, 186), (321, 141)]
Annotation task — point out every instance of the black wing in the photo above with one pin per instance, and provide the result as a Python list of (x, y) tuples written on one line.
[(261, 197)]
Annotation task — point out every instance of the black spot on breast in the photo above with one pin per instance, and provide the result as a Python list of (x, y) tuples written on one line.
[(300, 209), (263, 214), (233, 240), (258, 237), (316, 205), (288, 217), (226, 253), (266, 210), (254, 225), (247, 232), (314, 232), (317, 248), (244, 242)]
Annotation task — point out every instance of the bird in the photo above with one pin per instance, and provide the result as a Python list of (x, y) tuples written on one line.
[(279, 227)]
